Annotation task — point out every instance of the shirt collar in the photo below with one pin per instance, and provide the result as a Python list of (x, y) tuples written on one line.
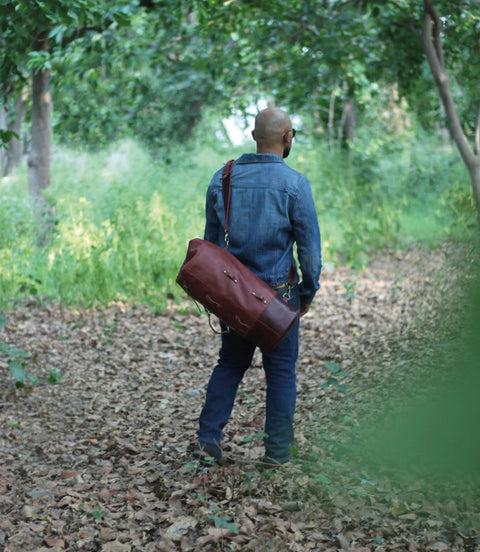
[(260, 158)]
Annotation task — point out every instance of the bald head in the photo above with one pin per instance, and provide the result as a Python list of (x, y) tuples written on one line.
[(271, 124), (271, 132)]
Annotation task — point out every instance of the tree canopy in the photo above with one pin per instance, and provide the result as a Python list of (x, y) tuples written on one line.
[(152, 68)]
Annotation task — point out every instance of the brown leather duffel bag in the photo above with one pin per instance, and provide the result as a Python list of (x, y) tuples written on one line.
[(227, 288)]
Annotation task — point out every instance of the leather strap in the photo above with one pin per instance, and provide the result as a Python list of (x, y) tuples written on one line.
[(226, 190), (289, 282)]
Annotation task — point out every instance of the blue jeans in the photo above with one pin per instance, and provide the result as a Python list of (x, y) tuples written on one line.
[(235, 358)]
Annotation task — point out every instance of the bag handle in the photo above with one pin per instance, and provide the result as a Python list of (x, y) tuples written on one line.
[(226, 191)]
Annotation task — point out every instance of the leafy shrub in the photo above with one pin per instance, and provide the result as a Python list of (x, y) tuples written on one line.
[(124, 218)]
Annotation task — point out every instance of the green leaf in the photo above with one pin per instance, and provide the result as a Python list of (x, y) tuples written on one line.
[(232, 527), (97, 513), (320, 478), (6, 136), (17, 371), (255, 437), (3, 320), (57, 33), (17, 353), (33, 379), (190, 467), (332, 367), (39, 60), (224, 523), (55, 376)]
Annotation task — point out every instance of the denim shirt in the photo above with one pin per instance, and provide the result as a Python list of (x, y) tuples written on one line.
[(271, 208)]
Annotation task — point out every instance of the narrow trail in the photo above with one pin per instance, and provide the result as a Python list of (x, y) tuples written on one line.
[(101, 461)]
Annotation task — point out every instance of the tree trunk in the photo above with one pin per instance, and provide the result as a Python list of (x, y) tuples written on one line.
[(475, 171), (431, 37), (346, 131), (3, 151), (475, 178), (39, 157), (331, 120), (15, 147), (350, 120)]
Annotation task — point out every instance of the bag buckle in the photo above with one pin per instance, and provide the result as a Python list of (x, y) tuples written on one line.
[(288, 291)]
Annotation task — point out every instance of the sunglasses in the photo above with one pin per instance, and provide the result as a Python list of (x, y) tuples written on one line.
[(293, 131)]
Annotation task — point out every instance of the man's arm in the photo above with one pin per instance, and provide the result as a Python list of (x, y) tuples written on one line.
[(212, 225), (307, 238)]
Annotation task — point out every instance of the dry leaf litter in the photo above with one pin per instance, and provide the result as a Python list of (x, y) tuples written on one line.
[(102, 461)]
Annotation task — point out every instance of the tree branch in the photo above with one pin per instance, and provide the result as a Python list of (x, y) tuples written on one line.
[(437, 27), (433, 49), (477, 133)]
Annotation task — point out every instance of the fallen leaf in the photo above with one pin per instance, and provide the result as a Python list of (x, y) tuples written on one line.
[(116, 546), (55, 543), (180, 527)]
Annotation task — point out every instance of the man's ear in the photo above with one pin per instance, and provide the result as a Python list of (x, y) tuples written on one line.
[(253, 135)]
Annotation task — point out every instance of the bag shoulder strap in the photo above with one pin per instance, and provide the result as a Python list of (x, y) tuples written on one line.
[(226, 191)]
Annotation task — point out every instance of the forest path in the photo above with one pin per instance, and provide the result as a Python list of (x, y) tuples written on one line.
[(101, 461)]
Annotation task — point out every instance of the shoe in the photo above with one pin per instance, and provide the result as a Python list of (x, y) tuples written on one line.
[(208, 453)]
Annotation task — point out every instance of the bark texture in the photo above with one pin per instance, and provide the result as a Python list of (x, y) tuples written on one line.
[(15, 147), (433, 48), (3, 151), (346, 131), (39, 157)]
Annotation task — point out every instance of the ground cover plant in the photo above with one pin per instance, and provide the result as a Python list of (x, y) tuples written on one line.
[(123, 218)]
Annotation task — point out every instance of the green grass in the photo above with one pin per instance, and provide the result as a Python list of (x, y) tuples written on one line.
[(124, 217), (422, 226)]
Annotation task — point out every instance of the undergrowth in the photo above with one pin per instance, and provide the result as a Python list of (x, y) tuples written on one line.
[(124, 218)]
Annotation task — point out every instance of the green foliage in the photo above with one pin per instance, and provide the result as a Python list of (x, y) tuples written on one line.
[(222, 522), (336, 376), (349, 290), (432, 431), (123, 223), (16, 361), (5, 137), (124, 219), (258, 436), (32, 33), (54, 376), (97, 513), (164, 73), (415, 435)]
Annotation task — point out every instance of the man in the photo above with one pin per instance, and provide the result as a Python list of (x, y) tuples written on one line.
[(271, 208)]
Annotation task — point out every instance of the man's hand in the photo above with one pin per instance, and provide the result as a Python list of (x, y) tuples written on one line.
[(304, 307)]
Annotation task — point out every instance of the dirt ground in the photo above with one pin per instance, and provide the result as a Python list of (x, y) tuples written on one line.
[(101, 461)]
